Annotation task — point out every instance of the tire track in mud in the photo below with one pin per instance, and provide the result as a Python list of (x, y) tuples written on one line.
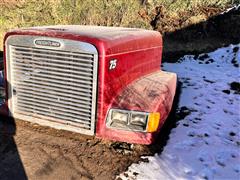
[(55, 163), (57, 159)]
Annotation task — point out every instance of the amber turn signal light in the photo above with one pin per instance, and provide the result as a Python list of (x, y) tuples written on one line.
[(153, 122)]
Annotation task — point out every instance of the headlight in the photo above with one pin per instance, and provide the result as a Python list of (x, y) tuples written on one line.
[(138, 119), (119, 119), (133, 120)]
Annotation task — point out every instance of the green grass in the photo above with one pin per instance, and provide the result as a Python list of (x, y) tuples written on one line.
[(28, 13)]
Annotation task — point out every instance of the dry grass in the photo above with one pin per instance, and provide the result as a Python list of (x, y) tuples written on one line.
[(129, 13)]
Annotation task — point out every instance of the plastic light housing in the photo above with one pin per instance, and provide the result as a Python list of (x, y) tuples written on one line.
[(153, 122)]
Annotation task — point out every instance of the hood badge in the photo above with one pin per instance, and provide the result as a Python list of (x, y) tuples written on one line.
[(49, 43)]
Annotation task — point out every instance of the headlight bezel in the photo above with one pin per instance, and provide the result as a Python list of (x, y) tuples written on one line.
[(129, 126)]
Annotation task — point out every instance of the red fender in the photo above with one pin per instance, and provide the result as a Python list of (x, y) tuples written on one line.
[(151, 93)]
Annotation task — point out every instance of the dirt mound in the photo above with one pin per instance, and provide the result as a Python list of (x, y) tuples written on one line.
[(217, 31)]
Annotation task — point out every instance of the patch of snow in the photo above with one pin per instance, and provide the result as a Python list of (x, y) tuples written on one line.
[(236, 7), (209, 147)]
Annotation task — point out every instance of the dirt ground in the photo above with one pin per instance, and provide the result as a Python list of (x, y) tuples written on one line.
[(37, 152), (30, 151)]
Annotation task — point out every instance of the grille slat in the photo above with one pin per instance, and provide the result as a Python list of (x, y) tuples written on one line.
[(54, 85), (62, 52), (59, 61), (41, 111), (22, 84), (29, 68), (56, 73), (84, 88), (43, 100), (57, 114), (53, 94), (42, 63), (63, 62), (54, 56), (52, 108), (88, 83), (49, 83)]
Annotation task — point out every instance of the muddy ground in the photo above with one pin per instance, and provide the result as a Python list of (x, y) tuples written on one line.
[(30, 151), (35, 152), (38, 152)]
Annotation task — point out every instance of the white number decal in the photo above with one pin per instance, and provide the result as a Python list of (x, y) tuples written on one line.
[(113, 64)]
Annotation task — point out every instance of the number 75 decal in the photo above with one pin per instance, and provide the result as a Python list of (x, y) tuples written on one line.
[(112, 64)]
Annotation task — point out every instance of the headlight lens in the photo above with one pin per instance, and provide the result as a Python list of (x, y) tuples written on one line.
[(138, 119), (119, 117)]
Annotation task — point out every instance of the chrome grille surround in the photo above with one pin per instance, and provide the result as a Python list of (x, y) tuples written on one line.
[(52, 86)]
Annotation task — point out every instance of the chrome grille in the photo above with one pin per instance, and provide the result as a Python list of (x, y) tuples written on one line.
[(54, 85)]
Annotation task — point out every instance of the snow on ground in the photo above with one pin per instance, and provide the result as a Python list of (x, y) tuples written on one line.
[(206, 143)]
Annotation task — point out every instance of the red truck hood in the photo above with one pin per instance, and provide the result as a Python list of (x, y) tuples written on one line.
[(114, 39)]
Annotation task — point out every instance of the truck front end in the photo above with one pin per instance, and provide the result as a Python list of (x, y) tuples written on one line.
[(99, 81)]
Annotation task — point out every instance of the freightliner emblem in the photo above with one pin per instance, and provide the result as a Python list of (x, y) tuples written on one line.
[(49, 43)]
